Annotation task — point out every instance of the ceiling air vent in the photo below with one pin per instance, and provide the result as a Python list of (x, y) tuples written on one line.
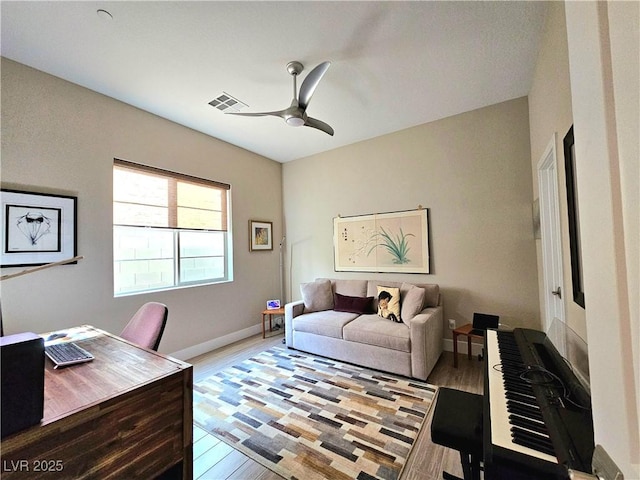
[(227, 103)]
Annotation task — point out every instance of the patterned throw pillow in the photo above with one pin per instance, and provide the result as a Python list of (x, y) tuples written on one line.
[(389, 303)]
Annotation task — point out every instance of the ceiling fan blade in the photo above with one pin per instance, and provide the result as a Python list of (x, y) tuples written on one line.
[(279, 113), (319, 124), (310, 83)]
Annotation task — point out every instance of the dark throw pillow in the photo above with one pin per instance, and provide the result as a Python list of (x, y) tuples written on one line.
[(345, 303)]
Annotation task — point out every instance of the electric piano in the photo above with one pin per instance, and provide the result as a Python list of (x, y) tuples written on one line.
[(537, 414)]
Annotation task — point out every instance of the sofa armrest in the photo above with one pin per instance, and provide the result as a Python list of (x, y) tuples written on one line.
[(291, 310), (425, 332)]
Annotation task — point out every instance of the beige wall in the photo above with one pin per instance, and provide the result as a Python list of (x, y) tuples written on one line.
[(599, 93), (473, 173), (58, 137), (550, 113), (604, 59)]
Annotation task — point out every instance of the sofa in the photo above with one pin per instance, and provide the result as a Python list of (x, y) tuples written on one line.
[(339, 319)]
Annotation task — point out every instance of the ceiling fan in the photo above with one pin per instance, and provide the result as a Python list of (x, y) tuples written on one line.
[(296, 114)]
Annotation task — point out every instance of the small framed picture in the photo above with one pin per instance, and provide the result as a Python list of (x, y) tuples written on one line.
[(273, 304), (37, 228), (260, 235)]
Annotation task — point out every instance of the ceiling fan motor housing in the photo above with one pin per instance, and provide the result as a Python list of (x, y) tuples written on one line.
[(295, 68), (295, 121), (296, 115)]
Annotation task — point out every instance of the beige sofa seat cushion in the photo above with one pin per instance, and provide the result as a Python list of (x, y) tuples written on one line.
[(328, 323), (378, 331)]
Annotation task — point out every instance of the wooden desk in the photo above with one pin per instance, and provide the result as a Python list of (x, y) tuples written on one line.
[(126, 414), (270, 313), (463, 330)]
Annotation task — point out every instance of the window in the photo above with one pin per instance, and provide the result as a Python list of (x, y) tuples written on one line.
[(169, 230)]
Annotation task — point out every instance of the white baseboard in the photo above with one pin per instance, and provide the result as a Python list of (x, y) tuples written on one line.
[(476, 348), (216, 343), (210, 345)]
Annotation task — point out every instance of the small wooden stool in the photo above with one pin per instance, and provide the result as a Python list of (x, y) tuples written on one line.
[(457, 424), (270, 313)]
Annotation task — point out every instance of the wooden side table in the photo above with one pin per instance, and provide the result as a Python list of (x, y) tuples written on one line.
[(463, 330), (270, 314)]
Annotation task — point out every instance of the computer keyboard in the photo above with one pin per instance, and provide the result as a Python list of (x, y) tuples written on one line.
[(63, 354)]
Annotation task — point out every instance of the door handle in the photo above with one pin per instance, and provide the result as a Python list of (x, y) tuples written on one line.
[(557, 292)]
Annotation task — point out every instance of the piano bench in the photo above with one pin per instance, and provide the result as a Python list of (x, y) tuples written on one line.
[(457, 424)]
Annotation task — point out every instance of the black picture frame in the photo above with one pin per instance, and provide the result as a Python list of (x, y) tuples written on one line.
[(37, 228), (575, 244), (260, 235)]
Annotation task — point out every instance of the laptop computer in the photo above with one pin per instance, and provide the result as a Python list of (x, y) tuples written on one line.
[(482, 322)]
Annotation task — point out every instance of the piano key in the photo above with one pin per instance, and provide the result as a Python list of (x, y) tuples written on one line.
[(513, 375), (525, 412), (514, 387), (528, 423), (521, 397), (533, 408), (539, 438), (530, 439)]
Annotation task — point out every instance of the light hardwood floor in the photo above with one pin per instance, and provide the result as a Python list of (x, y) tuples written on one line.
[(215, 460)]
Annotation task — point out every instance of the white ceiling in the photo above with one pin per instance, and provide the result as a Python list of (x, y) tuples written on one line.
[(393, 64)]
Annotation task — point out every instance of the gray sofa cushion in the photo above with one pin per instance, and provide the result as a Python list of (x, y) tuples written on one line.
[(328, 323), (317, 296), (378, 331), (352, 288), (431, 294), (412, 302)]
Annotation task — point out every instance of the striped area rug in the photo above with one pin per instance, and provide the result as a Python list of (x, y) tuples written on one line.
[(308, 417)]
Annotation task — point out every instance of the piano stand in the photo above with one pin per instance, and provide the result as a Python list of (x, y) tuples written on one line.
[(457, 424)]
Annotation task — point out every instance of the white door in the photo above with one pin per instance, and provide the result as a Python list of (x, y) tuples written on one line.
[(551, 245)]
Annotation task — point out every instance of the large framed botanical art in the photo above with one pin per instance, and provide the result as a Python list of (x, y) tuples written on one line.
[(394, 242), (37, 228)]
